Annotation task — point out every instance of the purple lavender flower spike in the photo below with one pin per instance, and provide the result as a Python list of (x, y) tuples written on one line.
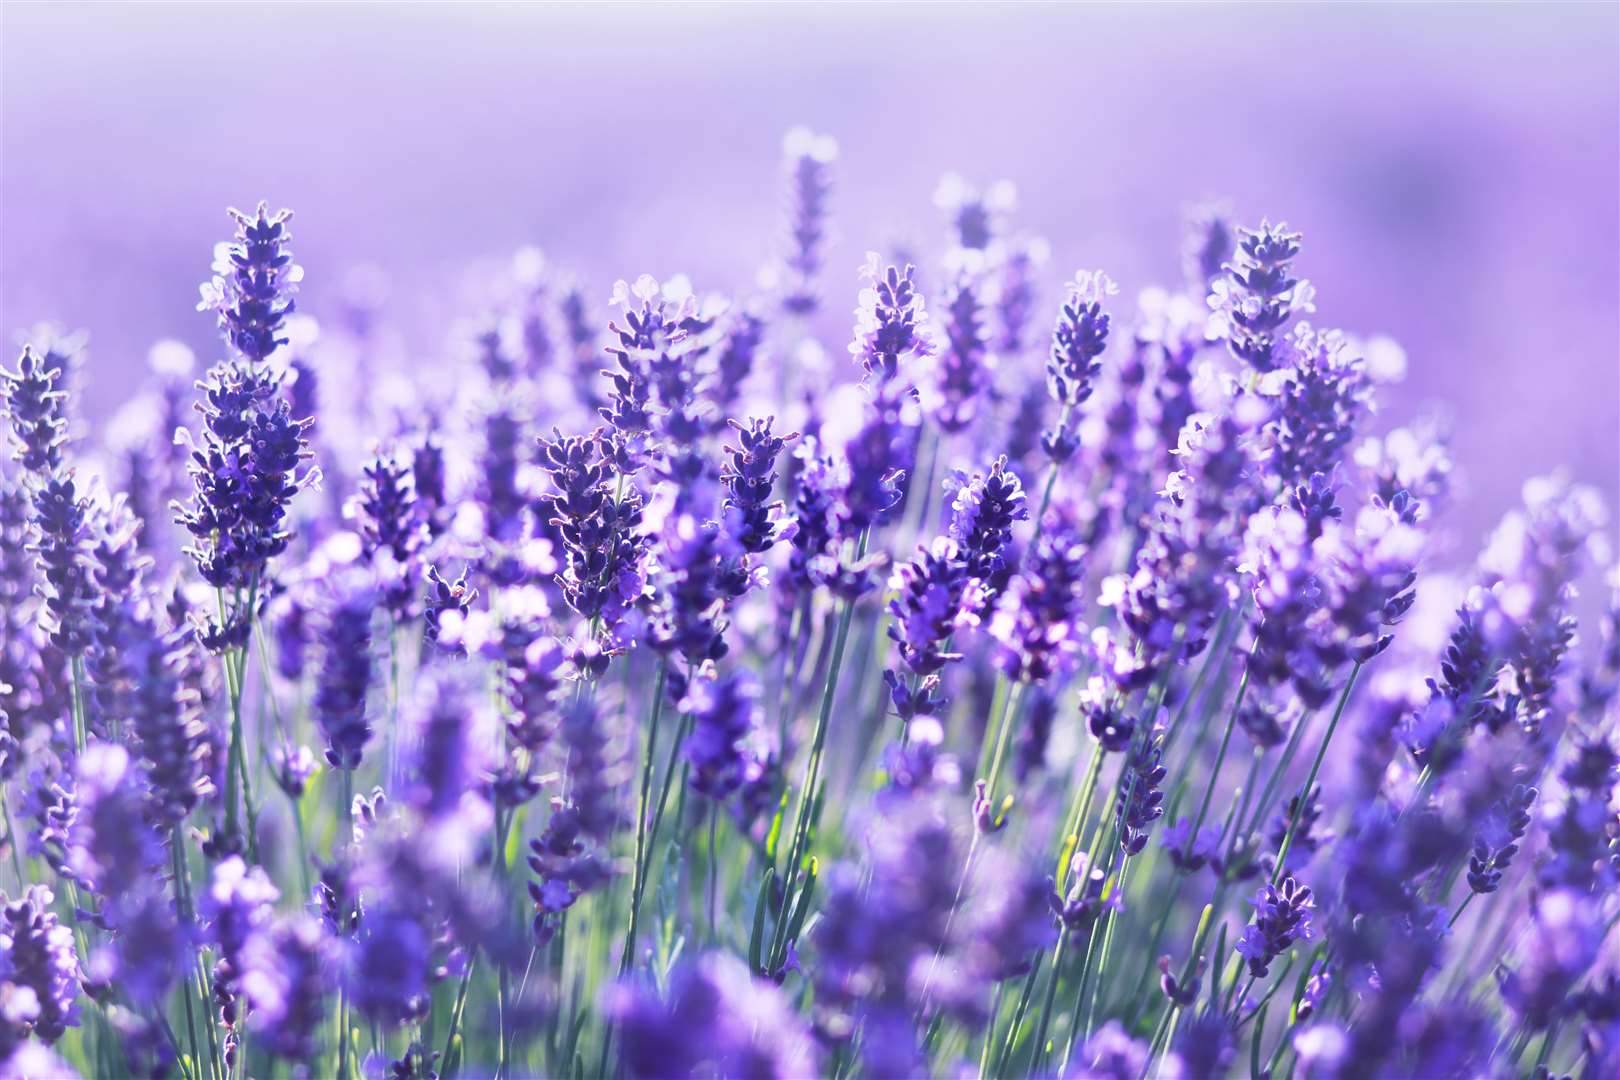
[(236, 906), (726, 718), (716, 1017), (39, 971), (1282, 916), (1208, 245), (1037, 623), (891, 324), (1111, 1054), (809, 159), (1497, 841), (285, 980), (1566, 932), (983, 510), (1072, 363), (454, 739), (391, 528), (977, 218), (345, 675), (963, 368), (1141, 798), (749, 476), (254, 281), (1259, 294), (34, 404)]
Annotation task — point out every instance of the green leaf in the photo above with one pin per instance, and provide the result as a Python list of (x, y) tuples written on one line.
[(756, 939)]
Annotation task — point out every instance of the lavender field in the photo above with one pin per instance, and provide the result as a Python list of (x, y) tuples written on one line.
[(960, 589)]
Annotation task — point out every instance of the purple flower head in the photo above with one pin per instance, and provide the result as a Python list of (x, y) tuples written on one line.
[(150, 953), (962, 370), (891, 323), (386, 974), (391, 529), (34, 402), (690, 577), (1103, 708), (1208, 245), (453, 740), (1579, 832), (736, 360), (244, 475), (977, 218), (253, 284), (112, 849), (1190, 852), (724, 736), (1282, 916), (1037, 624), (983, 509), (1141, 795), (1010, 919), (878, 457), (1111, 1054), (444, 598), (39, 971), (285, 979), (816, 487), (749, 477), (1325, 393), (1530, 564), (1310, 835), (236, 904), (1073, 362), (932, 599), (876, 938), (716, 1019), (1497, 841), (1083, 902), (345, 675), (1259, 294), (292, 768), (809, 158), (600, 533), (1013, 294), (1566, 932), (656, 351)]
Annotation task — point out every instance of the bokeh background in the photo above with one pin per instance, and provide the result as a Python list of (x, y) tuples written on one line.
[(1453, 167)]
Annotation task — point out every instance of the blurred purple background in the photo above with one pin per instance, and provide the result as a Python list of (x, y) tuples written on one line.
[(1454, 168)]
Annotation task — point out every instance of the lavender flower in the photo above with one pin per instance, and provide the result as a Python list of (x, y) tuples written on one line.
[(235, 906), (346, 672), (891, 323), (285, 978), (749, 476), (983, 510), (39, 971), (964, 366), (1037, 623), (1141, 798), (1259, 295), (254, 281), (726, 719), (1073, 362), (1282, 916), (809, 160), (1498, 839), (716, 1019)]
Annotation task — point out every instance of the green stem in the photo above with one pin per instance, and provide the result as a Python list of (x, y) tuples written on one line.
[(1310, 779)]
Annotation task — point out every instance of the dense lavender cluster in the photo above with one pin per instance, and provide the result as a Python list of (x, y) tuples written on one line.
[(1056, 685)]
